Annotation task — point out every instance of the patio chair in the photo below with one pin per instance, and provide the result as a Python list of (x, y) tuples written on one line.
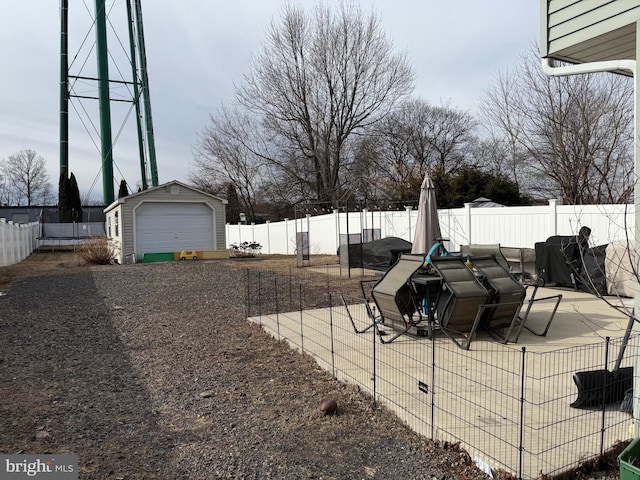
[(461, 302), (506, 296), (509, 299), (395, 297), (481, 250)]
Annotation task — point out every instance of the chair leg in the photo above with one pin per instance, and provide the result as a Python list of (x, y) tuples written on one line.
[(370, 314), (530, 303), (468, 337), (396, 336), (504, 339)]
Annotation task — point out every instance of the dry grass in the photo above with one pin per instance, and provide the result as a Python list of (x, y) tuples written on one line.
[(97, 251), (39, 263)]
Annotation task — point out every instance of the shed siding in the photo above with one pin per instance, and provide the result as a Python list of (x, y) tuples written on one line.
[(571, 22), (127, 230), (116, 241)]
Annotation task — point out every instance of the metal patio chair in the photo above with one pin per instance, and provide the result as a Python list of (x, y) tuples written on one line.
[(395, 302), (506, 297), (461, 302)]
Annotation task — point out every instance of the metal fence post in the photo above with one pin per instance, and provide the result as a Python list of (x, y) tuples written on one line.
[(374, 377), (433, 382), (333, 360), (521, 426), (247, 293), (275, 287), (604, 394), (260, 296), (301, 323)]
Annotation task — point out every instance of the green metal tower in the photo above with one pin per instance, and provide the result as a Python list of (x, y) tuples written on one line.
[(138, 84)]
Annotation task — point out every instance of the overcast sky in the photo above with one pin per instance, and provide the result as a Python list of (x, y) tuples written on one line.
[(197, 50)]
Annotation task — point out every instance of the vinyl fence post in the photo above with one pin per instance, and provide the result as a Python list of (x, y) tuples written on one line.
[(467, 214), (12, 244), (553, 217), (268, 238), (3, 245), (408, 210)]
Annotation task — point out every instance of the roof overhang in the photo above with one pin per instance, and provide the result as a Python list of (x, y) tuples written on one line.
[(589, 31)]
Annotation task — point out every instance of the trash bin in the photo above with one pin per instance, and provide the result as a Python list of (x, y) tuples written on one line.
[(629, 461)]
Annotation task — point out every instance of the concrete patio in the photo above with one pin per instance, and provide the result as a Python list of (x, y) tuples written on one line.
[(509, 417)]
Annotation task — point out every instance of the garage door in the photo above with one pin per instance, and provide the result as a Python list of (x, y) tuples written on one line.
[(172, 227)]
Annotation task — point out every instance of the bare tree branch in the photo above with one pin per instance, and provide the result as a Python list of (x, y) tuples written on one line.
[(26, 173), (318, 80), (577, 131)]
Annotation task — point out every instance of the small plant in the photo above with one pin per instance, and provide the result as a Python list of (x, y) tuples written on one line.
[(244, 250), (97, 251)]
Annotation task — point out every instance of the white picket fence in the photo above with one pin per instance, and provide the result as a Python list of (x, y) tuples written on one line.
[(17, 241), (509, 226)]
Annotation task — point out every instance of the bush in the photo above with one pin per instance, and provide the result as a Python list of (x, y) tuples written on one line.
[(97, 251), (245, 249)]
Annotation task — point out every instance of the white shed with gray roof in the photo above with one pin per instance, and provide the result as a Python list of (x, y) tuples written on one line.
[(169, 218)]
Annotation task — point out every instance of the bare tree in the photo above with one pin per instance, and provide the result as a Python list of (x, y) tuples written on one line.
[(27, 174), (577, 131), (417, 137), (499, 156), (224, 156), (318, 80), (6, 189)]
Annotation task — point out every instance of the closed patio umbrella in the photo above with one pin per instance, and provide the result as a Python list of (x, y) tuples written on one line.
[(428, 226)]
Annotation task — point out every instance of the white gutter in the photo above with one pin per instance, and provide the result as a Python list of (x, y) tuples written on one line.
[(592, 67)]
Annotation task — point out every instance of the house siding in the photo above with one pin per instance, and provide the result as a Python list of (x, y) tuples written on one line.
[(572, 26)]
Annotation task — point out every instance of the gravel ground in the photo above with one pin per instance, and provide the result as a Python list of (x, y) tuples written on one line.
[(152, 371)]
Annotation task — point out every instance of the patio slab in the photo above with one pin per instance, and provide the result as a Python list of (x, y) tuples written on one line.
[(479, 396)]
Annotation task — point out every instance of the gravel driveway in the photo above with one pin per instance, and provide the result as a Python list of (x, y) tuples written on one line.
[(152, 371)]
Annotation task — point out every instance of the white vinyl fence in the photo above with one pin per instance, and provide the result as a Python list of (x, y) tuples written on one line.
[(518, 227), (17, 241)]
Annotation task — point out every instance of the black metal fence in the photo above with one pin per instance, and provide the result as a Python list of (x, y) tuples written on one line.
[(507, 405)]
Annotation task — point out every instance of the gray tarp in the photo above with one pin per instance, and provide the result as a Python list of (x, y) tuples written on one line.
[(376, 255)]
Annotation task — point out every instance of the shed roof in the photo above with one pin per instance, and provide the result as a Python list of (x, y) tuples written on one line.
[(164, 185)]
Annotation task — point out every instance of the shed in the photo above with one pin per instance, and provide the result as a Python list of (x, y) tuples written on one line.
[(165, 220)]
